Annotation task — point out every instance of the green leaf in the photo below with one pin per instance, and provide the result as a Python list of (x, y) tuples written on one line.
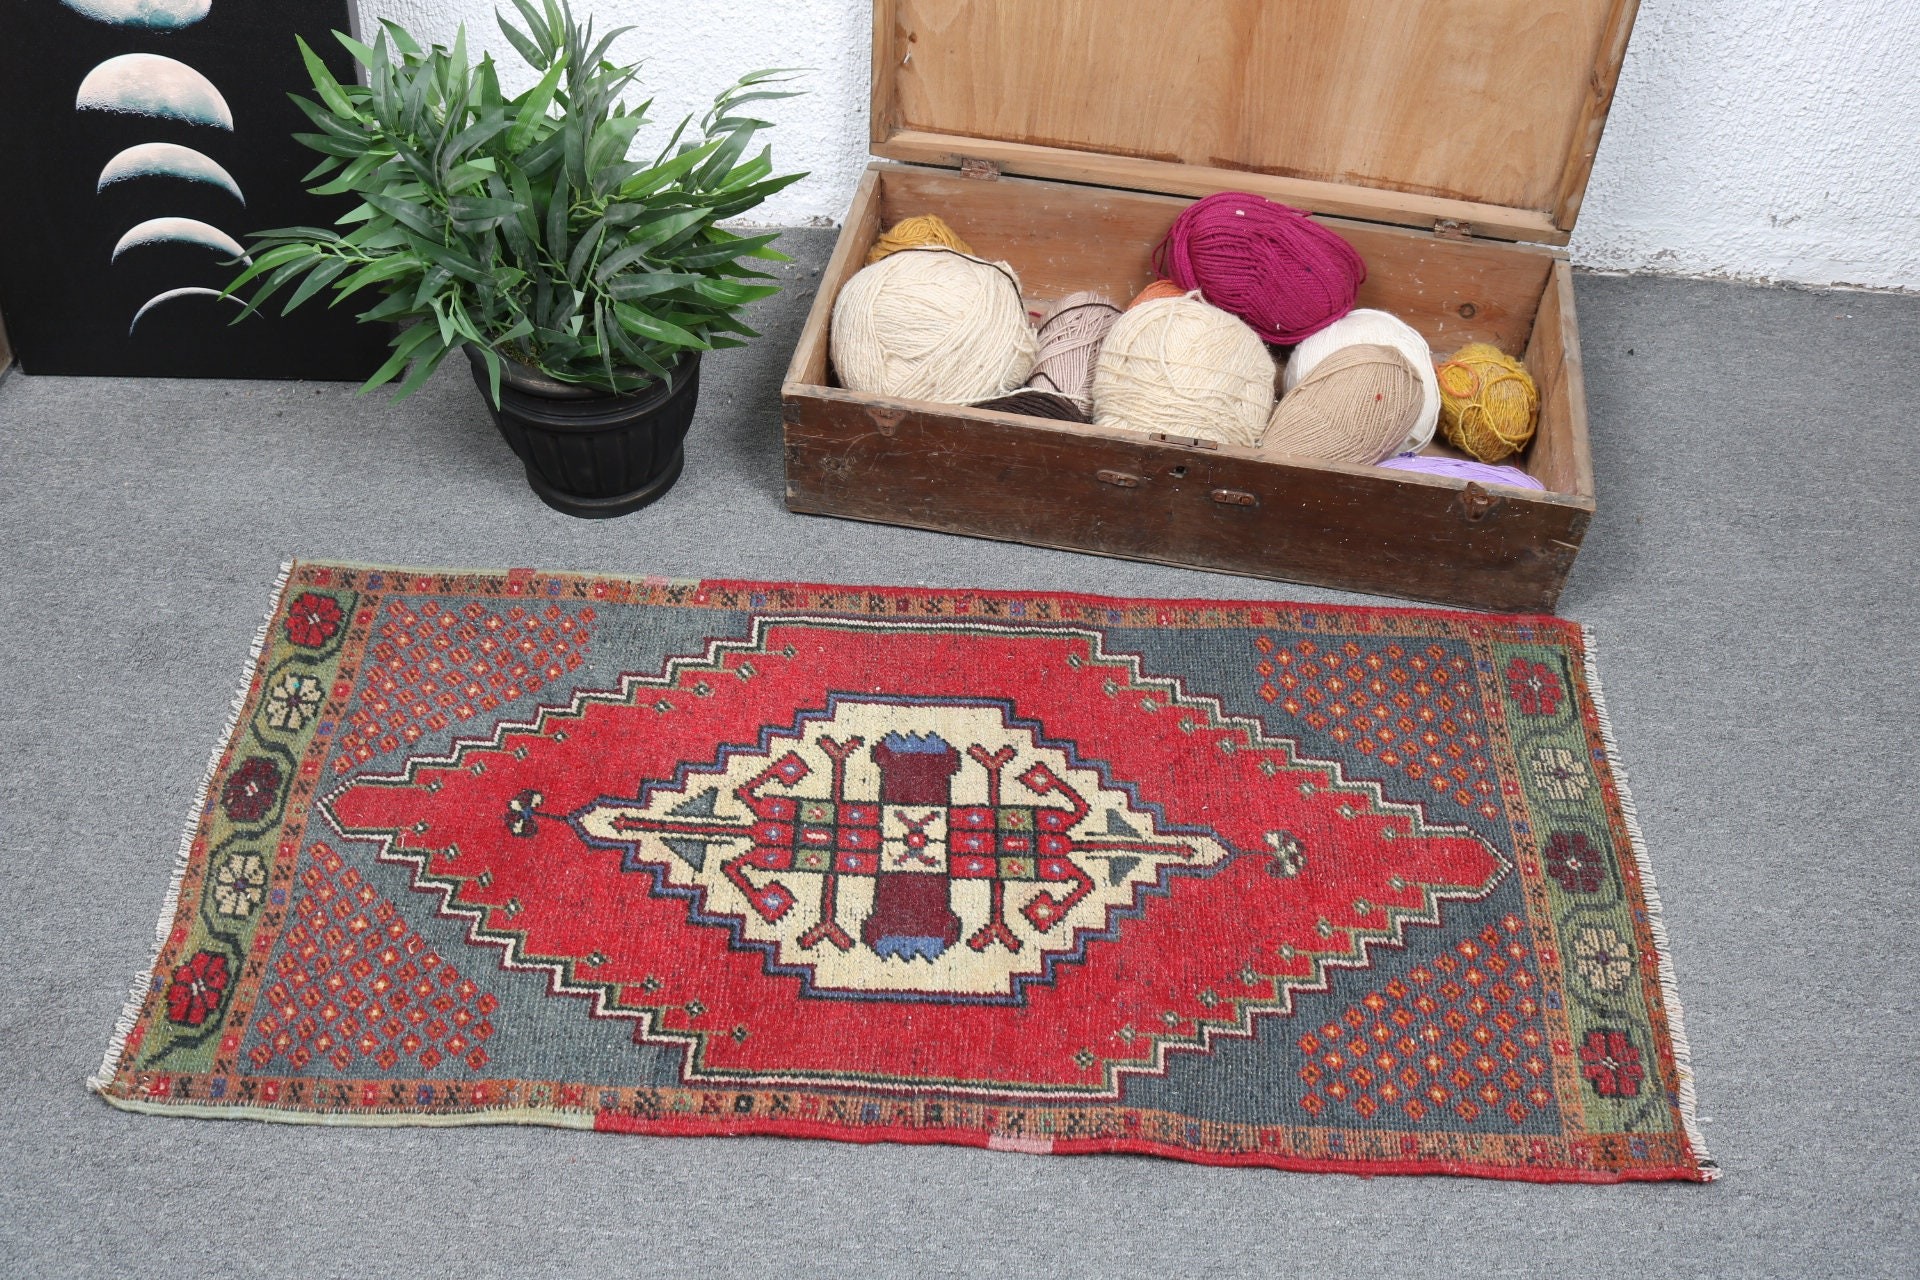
[(317, 279), (351, 176), (323, 82), (725, 251), (476, 213), (662, 174), (634, 320), (533, 106), (389, 268), (405, 344), (492, 362), (404, 212), (361, 53), (635, 286)]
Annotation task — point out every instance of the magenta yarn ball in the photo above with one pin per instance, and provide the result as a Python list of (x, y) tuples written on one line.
[(1268, 263)]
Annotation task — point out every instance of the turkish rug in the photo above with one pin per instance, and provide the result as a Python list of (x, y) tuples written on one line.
[(1239, 883)]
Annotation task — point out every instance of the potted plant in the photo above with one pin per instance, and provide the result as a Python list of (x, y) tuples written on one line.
[(581, 284)]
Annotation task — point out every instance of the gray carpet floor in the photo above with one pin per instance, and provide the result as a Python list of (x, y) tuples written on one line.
[(1750, 578)]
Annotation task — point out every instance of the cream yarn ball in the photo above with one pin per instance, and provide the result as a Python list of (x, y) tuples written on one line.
[(1185, 368), (933, 324), (1375, 328)]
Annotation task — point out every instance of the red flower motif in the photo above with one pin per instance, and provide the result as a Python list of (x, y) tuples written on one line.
[(1534, 686), (1611, 1064), (197, 987), (250, 790), (313, 619), (1574, 862)]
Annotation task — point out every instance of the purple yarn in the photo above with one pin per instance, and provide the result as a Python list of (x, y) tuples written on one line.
[(1461, 469)]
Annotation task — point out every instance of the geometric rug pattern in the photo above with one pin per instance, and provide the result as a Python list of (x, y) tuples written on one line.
[(1243, 883)]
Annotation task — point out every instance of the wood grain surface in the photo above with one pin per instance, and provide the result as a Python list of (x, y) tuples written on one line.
[(1487, 113)]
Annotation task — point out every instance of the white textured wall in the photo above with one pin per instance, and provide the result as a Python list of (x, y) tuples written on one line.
[(1761, 139)]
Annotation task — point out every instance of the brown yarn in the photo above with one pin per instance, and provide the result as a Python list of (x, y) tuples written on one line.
[(1357, 405), (914, 233), (1070, 339), (1158, 289), (1039, 404)]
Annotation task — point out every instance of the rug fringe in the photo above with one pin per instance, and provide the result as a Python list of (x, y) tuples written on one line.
[(143, 979), (1669, 984)]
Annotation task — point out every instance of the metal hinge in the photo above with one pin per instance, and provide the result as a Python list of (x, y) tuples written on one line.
[(1452, 229), (974, 167)]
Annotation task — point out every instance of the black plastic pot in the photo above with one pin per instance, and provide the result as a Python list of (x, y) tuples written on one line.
[(589, 453)]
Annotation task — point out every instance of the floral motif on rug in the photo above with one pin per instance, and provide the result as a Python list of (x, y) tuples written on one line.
[(1239, 883)]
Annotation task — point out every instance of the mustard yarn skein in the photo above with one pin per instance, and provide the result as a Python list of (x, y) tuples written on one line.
[(933, 324), (916, 232), (1489, 405)]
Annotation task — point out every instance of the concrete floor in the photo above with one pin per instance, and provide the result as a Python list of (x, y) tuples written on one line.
[(1750, 580)]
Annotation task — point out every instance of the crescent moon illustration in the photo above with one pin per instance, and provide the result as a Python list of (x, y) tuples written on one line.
[(147, 84), (154, 15), (161, 298), (184, 230), (168, 160)]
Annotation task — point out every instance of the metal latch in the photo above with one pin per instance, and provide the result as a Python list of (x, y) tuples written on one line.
[(1234, 498), (1121, 479), (1452, 229), (1477, 502), (974, 167), (1185, 442)]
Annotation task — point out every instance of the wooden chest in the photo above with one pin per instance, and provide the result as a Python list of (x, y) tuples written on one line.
[(1449, 143)]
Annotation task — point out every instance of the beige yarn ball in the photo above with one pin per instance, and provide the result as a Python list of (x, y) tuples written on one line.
[(933, 324), (1184, 368), (1356, 406), (1367, 327)]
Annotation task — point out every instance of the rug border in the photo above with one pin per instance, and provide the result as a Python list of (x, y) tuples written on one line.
[(1709, 1168), (183, 854), (593, 1122), (1042, 593)]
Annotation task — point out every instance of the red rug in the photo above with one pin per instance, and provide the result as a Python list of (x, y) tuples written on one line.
[(1239, 883)]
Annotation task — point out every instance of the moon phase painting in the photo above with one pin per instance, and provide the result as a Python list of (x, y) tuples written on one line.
[(147, 139)]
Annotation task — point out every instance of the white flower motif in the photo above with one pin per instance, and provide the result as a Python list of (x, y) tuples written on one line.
[(1289, 854), (1602, 958), (1559, 773), (239, 884), (293, 702)]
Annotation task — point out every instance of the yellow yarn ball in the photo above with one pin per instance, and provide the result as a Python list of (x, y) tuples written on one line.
[(914, 233), (1489, 405)]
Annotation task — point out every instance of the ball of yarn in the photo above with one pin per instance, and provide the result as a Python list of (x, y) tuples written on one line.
[(1182, 367), (932, 324), (1158, 289), (1488, 403), (1374, 328), (1039, 404), (1461, 469), (1356, 406), (915, 232), (1268, 263), (1070, 338)]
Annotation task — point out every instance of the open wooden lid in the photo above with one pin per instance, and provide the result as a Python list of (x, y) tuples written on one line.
[(1473, 115)]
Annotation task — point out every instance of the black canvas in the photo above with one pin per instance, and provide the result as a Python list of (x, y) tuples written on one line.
[(150, 167)]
